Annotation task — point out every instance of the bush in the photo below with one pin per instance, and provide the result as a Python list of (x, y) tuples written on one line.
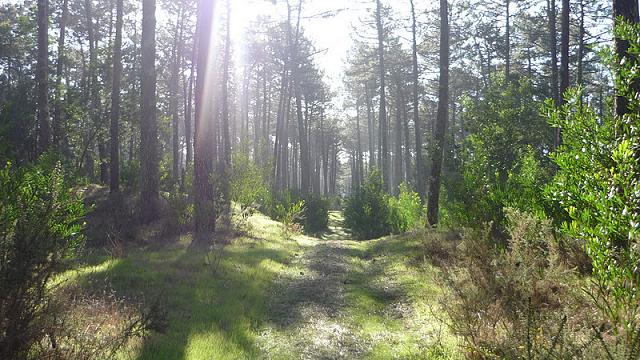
[(366, 212), (316, 214), (39, 230), (518, 302), (247, 186), (502, 164), (405, 211)]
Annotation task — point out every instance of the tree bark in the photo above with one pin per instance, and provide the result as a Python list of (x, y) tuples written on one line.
[(57, 110), (441, 121), (553, 49), (507, 67), (173, 102), (149, 194), (420, 175), (628, 11), (114, 181), (42, 77), (226, 140), (385, 163), (205, 131)]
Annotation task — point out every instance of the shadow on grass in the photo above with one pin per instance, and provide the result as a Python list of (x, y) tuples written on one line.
[(212, 311)]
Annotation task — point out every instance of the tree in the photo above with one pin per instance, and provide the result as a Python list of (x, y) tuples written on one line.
[(205, 131), (628, 11), (57, 111), (42, 76), (114, 180), (149, 178), (420, 186), (441, 120), (384, 157), (564, 60)]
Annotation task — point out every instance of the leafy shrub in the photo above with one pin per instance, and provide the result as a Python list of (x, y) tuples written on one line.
[(39, 230), (405, 211), (518, 302), (291, 215), (598, 185), (503, 159), (367, 210), (247, 185), (316, 214)]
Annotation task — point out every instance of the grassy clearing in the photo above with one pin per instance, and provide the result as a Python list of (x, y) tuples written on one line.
[(269, 297)]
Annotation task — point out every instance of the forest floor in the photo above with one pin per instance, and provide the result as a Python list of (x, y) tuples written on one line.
[(267, 296)]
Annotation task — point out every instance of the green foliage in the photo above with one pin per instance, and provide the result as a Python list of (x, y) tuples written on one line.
[(518, 302), (247, 185), (291, 215), (405, 211), (316, 214), (502, 162), (367, 211), (598, 184), (40, 229)]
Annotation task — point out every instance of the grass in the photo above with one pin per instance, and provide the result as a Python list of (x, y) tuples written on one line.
[(271, 297)]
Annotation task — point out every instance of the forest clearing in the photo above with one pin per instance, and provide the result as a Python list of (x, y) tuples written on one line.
[(319, 179)]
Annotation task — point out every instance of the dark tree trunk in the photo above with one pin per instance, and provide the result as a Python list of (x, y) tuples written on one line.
[(627, 10), (114, 183), (205, 133), (149, 192), (581, 46), (188, 139), (226, 140), (173, 103), (564, 62), (57, 110), (553, 49), (385, 163), (441, 121), (507, 66), (42, 77), (397, 170), (420, 174), (370, 129)]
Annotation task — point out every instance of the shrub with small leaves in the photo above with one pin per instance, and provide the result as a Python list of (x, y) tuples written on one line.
[(40, 229)]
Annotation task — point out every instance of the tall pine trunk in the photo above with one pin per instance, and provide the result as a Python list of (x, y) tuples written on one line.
[(149, 192), (384, 138), (57, 110), (441, 120), (420, 174), (628, 10), (114, 183), (42, 77), (205, 131)]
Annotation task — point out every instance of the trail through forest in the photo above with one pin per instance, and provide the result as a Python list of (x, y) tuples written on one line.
[(343, 302)]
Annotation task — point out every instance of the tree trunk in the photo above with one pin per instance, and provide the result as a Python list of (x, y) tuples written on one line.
[(628, 10), (114, 183), (188, 139), (553, 49), (42, 77), (420, 175), (205, 131), (226, 140), (149, 194), (441, 121), (397, 173), (370, 129), (57, 110), (581, 31), (173, 102), (383, 109), (507, 66)]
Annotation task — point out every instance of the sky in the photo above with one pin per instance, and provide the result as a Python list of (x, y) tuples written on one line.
[(333, 33)]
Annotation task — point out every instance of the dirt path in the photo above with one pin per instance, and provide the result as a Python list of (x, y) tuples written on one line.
[(323, 308)]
